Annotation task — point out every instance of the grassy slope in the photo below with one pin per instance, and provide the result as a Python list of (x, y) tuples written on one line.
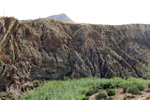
[(76, 89)]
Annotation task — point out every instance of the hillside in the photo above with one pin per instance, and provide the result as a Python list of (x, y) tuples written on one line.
[(82, 50), (52, 49), (62, 17)]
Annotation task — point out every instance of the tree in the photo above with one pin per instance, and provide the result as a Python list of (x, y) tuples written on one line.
[(111, 92)]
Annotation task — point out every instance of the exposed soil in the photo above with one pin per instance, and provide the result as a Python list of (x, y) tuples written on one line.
[(145, 95)]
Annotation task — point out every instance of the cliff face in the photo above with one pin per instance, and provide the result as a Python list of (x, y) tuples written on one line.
[(51, 49), (81, 50)]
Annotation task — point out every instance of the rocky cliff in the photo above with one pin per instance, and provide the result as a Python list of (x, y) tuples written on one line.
[(51, 49)]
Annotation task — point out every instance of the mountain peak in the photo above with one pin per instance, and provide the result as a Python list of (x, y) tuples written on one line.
[(62, 14), (62, 17)]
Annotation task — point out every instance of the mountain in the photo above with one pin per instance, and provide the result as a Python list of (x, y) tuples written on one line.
[(53, 49), (62, 17)]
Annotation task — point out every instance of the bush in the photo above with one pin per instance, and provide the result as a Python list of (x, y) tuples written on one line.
[(90, 92), (125, 89), (111, 92), (125, 98), (4, 98), (86, 98), (141, 87), (36, 83), (108, 85), (83, 92), (5, 95), (10, 95), (146, 77), (12, 98), (149, 85), (133, 90), (101, 96)]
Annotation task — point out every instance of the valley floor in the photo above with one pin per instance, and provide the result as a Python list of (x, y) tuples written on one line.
[(77, 89), (145, 95)]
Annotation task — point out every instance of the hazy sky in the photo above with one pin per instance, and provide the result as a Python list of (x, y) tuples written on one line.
[(82, 11)]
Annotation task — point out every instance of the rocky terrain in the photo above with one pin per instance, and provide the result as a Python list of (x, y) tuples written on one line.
[(62, 17), (52, 49)]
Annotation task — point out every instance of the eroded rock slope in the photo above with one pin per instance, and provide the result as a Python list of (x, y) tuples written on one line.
[(51, 49)]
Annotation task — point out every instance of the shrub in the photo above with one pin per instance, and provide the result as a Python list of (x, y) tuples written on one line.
[(133, 90), (31, 87), (140, 87), (10, 95), (125, 89), (5, 95), (86, 98), (146, 77), (90, 92), (94, 85), (101, 96), (36, 83), (125, 98), (108, 85), (4, 98), (111, 92), (12, 98), (84, 91), (149, 85)]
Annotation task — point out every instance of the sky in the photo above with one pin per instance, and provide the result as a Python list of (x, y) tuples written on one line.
[(112, 12)]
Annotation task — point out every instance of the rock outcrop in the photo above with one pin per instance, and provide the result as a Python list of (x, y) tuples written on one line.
[(52, 49)]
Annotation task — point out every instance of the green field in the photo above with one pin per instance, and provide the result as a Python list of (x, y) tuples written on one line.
[(76, 89)]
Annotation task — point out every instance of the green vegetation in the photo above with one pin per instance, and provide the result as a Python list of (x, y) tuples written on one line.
[(111, 92), (125, 89), (133, 90), (77, 89), (149, 85), (36, 83), (101, 96), (7, 96), (146, 77), (140, 87), (125, 98), (92, 91), (86, 98)]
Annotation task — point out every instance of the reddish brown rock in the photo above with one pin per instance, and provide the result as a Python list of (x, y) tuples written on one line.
[(51, 49)]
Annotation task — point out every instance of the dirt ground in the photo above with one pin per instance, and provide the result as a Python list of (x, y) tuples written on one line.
[(145, 95)]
